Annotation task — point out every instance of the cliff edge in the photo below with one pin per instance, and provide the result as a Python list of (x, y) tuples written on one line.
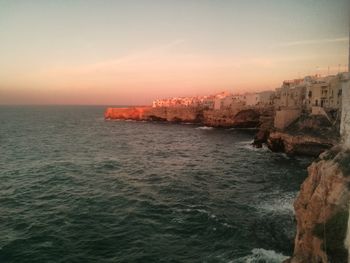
[(240, 117), (308, 135), (322, 210)]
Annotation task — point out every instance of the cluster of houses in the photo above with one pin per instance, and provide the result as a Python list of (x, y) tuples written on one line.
[(314, 95), (264, 98), (223, 100), (205, 101)]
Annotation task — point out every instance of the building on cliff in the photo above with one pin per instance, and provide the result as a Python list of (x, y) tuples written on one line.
[(217, 101), (227, 102), (311, 95), (263, 98), (289, 101), (196, 101), (325, 92), (291, 94)]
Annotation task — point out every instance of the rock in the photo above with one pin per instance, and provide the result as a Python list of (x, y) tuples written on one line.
[(260, 138), (298, 144), (322, 210), (265, 128)]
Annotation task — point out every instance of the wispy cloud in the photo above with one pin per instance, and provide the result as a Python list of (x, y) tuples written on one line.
[(313, 42)]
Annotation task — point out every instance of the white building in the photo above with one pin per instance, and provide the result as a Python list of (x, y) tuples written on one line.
[(325, 92), (265, 97)]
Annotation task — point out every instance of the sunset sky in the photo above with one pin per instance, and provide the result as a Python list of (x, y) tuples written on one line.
[(130, 52)]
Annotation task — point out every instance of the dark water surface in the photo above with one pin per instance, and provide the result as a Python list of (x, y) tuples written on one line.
[(77, 188)]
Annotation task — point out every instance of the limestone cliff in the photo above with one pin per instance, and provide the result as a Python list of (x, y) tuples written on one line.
[(309, 135), (176, 114), (238, 117), (322, 210), (298, 144), (130, 113)]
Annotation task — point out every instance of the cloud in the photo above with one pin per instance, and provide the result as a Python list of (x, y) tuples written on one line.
[(313, 42)]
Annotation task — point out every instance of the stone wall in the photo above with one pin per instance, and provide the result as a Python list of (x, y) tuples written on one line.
[(285, 117)]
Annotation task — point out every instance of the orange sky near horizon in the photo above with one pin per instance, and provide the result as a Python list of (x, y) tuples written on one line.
[(210, 49)]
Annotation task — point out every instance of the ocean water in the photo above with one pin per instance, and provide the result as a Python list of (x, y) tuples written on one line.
[(77, 188)]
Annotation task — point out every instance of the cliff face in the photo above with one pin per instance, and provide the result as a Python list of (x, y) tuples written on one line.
[(239, 117), (309, 135), (298, 144), (132, 113), (175, 114), (322, 210)]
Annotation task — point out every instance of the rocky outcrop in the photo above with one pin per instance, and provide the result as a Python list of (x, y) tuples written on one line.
[(309, 135), (322, 210), (298, 144), (266, 126)]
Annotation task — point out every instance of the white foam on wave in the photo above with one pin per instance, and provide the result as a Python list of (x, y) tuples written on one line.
[(201, 211), (204, 128), (260, 255), (187, 123), (282, 204), (248, 145), (244, 143)]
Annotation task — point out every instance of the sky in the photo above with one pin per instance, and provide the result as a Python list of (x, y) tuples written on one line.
[(131, 52)]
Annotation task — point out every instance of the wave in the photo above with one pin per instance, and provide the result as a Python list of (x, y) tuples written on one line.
[(188, 123), (260, 255), (204, 128), (248, 145), (280, 205)]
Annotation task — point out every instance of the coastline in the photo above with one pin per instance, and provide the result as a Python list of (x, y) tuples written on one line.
[(326, 188), (253, 118)]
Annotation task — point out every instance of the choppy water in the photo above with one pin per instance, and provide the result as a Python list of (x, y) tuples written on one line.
[(77, 188)]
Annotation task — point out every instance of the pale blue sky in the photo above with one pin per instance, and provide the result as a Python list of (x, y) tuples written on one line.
[(243, 38)]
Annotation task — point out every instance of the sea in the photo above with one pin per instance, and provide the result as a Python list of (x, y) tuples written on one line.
[(77, 188)]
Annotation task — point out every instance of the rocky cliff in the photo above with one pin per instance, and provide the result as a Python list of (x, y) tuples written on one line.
[(130, 113), (176, 114), (322, 210), (309, 135), (298, 144), (238, 117)]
